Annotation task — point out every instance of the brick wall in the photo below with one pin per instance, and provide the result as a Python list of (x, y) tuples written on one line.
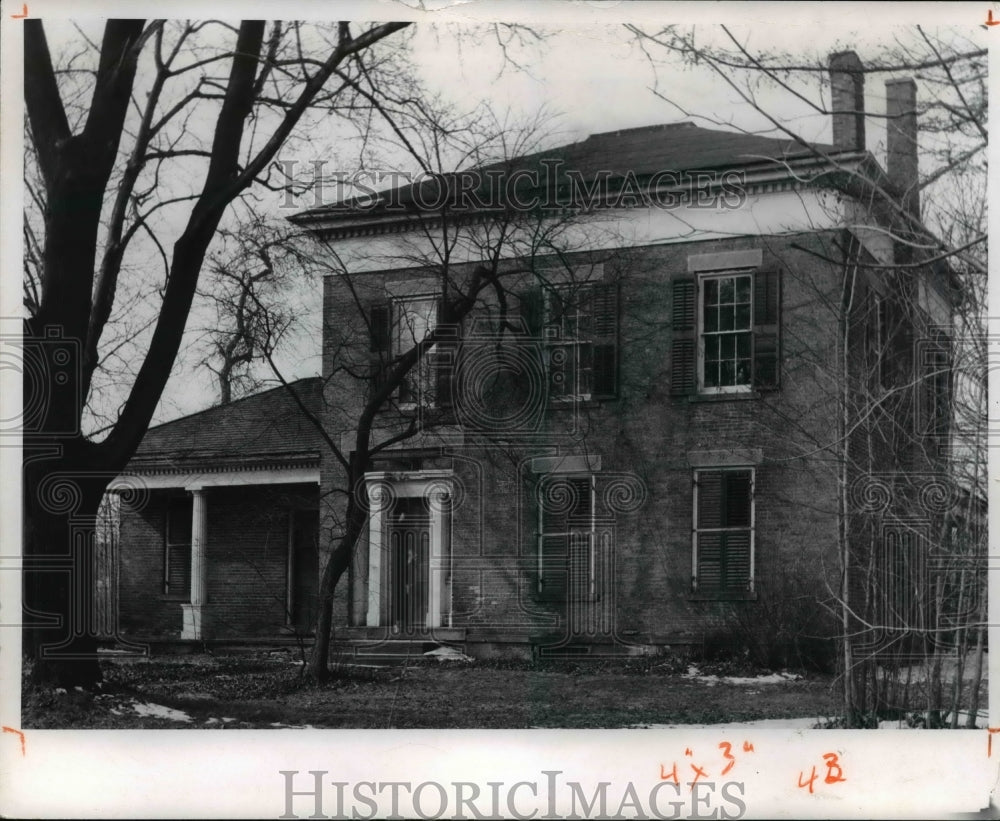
[(247, 560), (651, 434)]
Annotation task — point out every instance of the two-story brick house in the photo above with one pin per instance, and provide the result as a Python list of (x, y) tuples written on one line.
[(624, 423)]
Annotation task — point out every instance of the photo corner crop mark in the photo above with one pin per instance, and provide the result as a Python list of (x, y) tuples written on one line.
[(20, 735)]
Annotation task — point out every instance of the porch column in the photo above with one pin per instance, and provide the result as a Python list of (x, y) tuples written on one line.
[(376, 495), (199, 527)]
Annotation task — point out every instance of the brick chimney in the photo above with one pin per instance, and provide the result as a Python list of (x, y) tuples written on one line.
[(847, 83), (901, 150)]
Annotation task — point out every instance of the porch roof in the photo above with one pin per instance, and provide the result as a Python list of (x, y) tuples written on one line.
[(260, 434)]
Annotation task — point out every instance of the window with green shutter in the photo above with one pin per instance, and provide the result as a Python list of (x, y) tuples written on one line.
[(723, 531)]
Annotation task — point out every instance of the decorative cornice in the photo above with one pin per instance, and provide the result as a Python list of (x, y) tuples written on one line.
[(166, 465), (757, 177)]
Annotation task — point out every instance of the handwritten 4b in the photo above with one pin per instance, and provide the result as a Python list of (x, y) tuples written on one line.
[(834, 772)]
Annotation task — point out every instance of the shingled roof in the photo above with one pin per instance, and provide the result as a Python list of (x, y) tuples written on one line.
[(639, 153), (267, 424)]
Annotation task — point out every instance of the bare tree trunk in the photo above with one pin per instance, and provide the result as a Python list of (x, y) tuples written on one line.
[(336, 566), (60, 527), (977, 675)]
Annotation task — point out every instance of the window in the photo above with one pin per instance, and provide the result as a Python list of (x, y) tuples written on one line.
[(569, 339), (936, 390), (881, 341), (177, 549), (578, 329), (726, 335), (395, 328), (723, 531), (415, 318), (902, 579), (725, 332), (566, 556)]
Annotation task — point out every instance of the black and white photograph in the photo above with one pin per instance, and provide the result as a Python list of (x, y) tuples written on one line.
[(533, 368)]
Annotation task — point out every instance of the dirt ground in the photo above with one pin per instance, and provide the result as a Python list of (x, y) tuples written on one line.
[(265, 689)]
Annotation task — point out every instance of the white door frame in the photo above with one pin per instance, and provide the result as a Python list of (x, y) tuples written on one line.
[(382, 488)]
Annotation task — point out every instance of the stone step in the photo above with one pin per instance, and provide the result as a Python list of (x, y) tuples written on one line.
[(390, 651)]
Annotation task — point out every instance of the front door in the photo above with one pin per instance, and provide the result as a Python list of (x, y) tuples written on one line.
[(409, 564)]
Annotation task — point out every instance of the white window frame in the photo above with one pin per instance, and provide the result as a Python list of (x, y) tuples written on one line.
[(704, 277), (422, 376), (186, 506), (696, 530), (553, 337), (591, 532)]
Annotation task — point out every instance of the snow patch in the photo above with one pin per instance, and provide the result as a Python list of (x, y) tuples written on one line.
[(159, 711), (447, 654), (810, 723), (773, 678), (914, 721)]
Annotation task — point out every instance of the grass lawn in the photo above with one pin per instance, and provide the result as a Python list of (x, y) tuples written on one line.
[(264, 689)]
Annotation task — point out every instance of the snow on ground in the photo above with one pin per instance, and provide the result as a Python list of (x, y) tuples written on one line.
[(949, 666), (773, 678), (809, 723), (159, 711), (444, 653), (982, 720)]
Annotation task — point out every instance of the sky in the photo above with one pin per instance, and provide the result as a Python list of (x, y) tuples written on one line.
[(587, 71)]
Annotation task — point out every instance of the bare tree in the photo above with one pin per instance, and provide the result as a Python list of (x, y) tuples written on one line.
[(253, 279), (480, 261), (150, 107), (910, 395)]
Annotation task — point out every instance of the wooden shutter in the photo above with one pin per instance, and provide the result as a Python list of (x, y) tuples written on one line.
[(177, 554), (444, 359), (532, 310), (682, 355), (935, 389), (897, 364), (380, 347), (766, 328), (553, 580), (709, 498), (724, 501), (564, 542), (605, 349)]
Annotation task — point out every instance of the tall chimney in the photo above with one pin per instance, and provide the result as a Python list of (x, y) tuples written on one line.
[(847, 82), (901, 151)]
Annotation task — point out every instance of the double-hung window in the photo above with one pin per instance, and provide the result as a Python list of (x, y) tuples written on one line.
[(569, 342), (396, 327), (566, 549), (577, 330), (723, 537), (726, 343), (935, 398), (415, 318), (177, 549), (725, 325)]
